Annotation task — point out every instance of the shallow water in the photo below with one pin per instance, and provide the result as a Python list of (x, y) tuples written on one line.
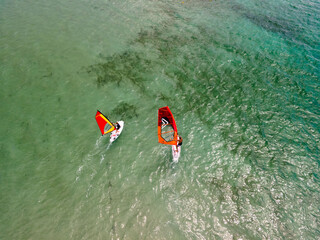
[(241, 78)]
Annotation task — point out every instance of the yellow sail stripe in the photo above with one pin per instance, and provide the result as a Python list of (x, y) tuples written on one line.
[(112, 127)]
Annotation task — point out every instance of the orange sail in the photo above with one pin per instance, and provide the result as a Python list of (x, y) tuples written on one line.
[(167, 129), (104, 123)]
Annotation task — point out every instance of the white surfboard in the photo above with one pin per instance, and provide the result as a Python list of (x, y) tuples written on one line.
[(116, 133), (176, 153)]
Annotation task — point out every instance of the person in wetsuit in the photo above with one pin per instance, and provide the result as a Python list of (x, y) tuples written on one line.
[(179, 143), (117, 125)]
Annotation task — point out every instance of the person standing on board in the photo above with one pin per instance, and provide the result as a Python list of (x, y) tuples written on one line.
[(179, 143), (117, 126)]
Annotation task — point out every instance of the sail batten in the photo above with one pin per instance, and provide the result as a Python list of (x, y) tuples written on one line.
[(104, 123), (167, 129), (167, 132)]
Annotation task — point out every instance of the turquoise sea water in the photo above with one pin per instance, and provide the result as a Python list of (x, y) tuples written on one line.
[(241, 78)]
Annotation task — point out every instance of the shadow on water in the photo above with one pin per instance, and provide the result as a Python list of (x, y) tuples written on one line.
[(121, 68), (125, 111)]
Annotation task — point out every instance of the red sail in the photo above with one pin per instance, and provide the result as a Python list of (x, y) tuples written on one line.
[(104, 123), (167, 129)]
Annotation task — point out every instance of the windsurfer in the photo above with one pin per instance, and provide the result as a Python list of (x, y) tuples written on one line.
[(179, 143), (117, 125)]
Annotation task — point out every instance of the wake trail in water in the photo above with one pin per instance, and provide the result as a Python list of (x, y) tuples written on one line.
[(102, 156), (98, 149), (108, 146)]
